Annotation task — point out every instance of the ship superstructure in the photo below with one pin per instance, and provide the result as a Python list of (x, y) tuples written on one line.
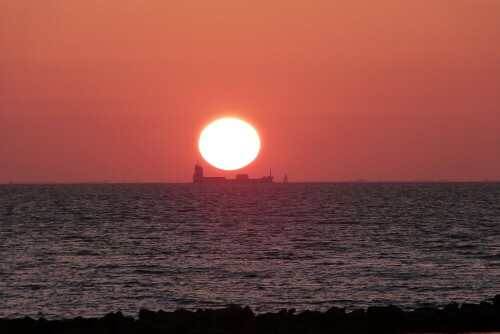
[(198, 177)]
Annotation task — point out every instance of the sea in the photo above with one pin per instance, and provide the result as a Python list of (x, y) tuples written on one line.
[(89, 249)]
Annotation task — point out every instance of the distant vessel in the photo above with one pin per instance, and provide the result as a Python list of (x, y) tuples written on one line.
[(198, 177), (285, 179)]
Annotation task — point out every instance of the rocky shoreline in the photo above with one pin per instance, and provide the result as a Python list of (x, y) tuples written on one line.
[(453, 318)]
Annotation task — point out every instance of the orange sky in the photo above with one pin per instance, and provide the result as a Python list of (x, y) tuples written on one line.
[(119, 90)]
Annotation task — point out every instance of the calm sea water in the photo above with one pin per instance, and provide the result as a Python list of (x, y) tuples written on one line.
[(69, 250)]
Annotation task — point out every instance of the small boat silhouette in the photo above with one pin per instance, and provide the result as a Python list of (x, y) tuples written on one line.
[(285, 179)]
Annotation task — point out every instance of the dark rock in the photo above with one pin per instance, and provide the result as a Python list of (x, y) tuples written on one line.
[(27, 319), (427, 309), (452, 307), (391, 311), (309, 321), (450, 315), (486, 305), (425, 319), (336, 312), (384, 318), (478, 317), (154, 322), (233, 317), (335, 317), (165, 316), (310, 316), (353, 322), (268, 322), (113, 317), (183, 321), (274, 322), (149, 316), (116, 323), (496, 302), (483, 317), (470, 309), (356, 315)]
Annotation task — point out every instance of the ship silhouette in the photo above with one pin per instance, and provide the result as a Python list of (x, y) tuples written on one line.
[(198, 177)]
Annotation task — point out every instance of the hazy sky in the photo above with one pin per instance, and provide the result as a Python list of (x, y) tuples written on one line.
[(120, 89)]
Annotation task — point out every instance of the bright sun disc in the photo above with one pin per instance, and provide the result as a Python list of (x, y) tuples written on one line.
[(229, 144)]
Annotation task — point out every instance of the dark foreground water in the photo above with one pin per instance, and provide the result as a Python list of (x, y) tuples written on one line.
[(68, 250)]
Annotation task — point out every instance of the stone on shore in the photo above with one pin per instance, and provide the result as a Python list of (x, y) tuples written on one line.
[(452, 318)]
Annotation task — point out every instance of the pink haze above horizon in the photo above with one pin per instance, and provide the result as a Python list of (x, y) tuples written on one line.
[(95, 90)]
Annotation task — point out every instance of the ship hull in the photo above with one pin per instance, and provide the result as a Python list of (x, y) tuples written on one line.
[(232, 181), (198, 177)]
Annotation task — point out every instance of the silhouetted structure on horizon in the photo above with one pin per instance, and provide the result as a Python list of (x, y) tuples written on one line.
[(198, 177)]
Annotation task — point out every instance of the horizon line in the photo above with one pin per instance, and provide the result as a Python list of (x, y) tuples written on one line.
[(297, 182)]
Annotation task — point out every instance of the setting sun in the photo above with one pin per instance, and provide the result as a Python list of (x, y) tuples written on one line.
[(229, 144)]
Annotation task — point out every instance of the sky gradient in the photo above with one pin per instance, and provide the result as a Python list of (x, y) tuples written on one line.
[(120, 90)]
